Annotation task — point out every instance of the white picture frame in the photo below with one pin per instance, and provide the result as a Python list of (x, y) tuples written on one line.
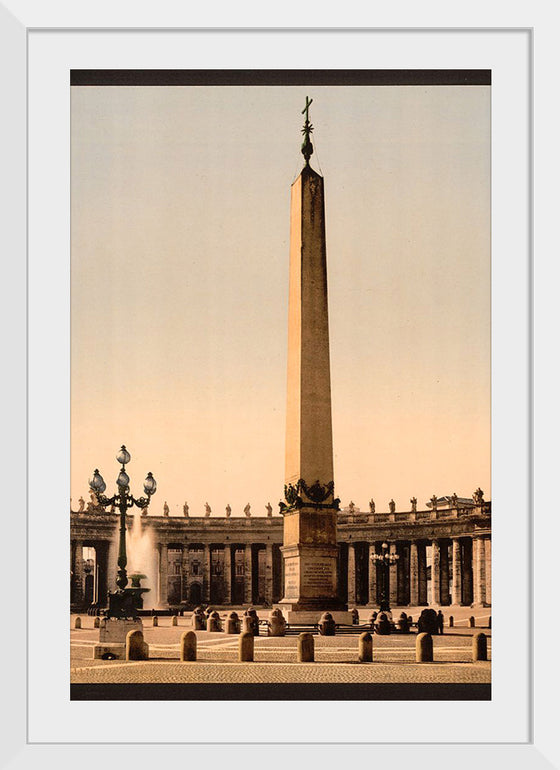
[(19, 20)]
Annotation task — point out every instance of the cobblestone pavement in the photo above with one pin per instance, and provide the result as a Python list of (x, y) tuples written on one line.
[(175, 672), (276, 658)]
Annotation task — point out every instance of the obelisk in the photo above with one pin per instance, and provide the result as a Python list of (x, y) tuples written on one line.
[(309, 549)]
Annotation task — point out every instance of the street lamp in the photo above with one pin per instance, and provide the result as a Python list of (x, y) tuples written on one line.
[(122, 602), (385, 560)]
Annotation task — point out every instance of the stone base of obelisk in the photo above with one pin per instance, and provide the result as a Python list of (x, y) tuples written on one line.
[(310, 568)]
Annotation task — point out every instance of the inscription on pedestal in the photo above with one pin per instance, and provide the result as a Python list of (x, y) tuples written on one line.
[(291, 578), (318, 577), (308, 577)]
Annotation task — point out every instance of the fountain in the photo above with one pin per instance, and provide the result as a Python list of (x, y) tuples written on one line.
[(141, 554), (125, 602)]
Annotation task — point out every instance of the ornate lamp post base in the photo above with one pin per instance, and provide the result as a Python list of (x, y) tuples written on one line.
[(112, 637), (125, 602)]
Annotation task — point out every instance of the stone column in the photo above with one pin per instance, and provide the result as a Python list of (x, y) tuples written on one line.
[(422, 575), (268, 578), (478, 571), (466, 570), (77, 567), (393, 573), (457, 572), (227, 573), (372, 583), (351, 574), (476, 582), (436, 587), (248, 574), (414, 601), (403, 567), (206, 573), (112, 555), (163, 566), (282, 578), (488, 570), (444, 572), (185, 574)]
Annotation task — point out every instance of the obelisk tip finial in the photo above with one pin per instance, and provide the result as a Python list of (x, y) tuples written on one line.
[(307, 147)]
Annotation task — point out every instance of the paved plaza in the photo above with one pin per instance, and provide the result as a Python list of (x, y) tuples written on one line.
[(275, 658)]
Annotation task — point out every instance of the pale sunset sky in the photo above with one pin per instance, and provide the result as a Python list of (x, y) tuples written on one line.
[(180, 253)]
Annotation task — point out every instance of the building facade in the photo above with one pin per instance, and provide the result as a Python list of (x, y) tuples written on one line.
[(444, 558)]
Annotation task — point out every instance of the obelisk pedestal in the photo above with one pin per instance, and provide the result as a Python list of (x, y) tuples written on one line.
[(310, 567), (309, 550)]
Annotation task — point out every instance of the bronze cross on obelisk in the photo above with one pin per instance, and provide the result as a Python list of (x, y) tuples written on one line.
[(307, 147)]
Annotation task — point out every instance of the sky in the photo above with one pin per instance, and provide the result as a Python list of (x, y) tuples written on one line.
[(179, 289)]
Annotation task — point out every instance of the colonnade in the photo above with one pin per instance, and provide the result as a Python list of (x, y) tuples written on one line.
[(443, 559), (440, 571), (219, 573)]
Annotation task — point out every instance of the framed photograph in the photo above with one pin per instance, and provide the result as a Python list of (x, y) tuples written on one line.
[(77, 131), (323, 561)]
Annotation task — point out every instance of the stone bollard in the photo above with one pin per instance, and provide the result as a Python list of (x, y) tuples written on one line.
[(174, 620), (471, 621), (479, 647), (214, 623), (402, 624), (276, 623), (96, 622), (135, 648), (427, 621), (327, 624), (199, 620), (424, 648), (246, 647), (305, 648), (253, 614), (155, 621), (382, 624), (355, 617), (451, 621), (188, 646), (247, 624), (232, 625), (251, 622), (78, 622), (365, 648)]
